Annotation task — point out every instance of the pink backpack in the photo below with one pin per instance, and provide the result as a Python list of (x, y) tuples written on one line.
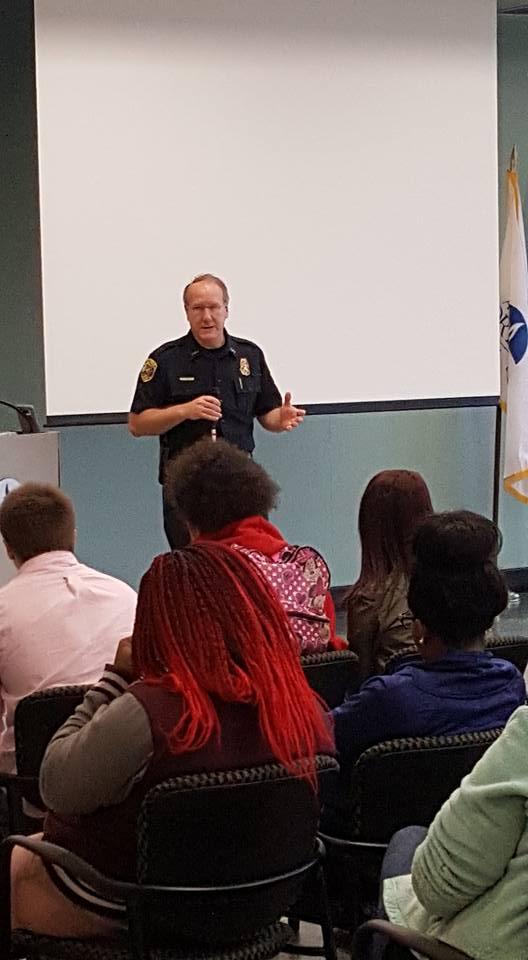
[(301, 579)]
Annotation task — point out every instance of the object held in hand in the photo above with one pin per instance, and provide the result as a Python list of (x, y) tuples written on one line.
[(215, 392)]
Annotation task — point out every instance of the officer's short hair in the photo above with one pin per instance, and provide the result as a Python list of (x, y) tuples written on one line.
[(208, 276), (215, 484), (36, 518)]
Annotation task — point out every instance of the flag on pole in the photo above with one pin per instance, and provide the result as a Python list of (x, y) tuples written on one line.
[(514, 341)]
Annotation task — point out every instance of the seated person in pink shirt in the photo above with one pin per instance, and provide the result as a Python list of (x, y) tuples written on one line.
[(60, 621)]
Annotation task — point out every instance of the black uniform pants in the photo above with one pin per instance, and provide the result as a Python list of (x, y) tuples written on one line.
[(174, 523)]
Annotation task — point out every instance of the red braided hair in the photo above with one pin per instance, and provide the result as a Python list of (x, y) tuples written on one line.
[(207, 623)]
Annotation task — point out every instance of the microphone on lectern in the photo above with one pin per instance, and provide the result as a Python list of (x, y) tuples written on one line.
[(27, 419)]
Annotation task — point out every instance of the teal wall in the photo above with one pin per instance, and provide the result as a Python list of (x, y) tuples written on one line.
[(322, 468), (21, 342)]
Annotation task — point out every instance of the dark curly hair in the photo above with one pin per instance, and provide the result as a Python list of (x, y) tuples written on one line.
[(215, 484), (456, 588)]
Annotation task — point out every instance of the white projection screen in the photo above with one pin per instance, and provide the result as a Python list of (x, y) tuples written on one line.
[(334, 161)]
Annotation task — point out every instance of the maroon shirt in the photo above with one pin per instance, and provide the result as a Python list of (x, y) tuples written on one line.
[(107, 837)]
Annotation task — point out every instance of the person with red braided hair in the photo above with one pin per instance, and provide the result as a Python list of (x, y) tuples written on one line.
[(210, 680)]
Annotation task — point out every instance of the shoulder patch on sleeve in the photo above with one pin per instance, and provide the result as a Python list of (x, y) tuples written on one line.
[(148, 370)]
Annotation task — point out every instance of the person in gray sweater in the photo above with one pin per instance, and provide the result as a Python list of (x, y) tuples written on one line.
[(190, 692)]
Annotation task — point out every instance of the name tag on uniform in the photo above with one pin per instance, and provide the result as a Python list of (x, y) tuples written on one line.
[(186, 378)]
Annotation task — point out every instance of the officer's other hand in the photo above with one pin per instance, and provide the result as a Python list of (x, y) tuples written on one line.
[(290, 416), (204, 408)]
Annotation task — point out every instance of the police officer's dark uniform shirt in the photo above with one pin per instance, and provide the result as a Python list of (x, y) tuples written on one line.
[(181, 370)]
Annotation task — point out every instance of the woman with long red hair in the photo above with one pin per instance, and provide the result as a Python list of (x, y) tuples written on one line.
[(379, 623), (220, 688)]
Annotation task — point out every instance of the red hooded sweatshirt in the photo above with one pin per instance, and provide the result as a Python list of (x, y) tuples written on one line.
[(256, 533)]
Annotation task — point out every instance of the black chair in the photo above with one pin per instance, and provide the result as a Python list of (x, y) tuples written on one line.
[(401, 941), (411, 655), (513, 648), (220, 858), (37, 719), (392, 785), (332, 674)]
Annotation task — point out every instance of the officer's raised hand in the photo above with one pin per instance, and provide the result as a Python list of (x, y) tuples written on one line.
[(290, 416), (285, 417), (203, 408)]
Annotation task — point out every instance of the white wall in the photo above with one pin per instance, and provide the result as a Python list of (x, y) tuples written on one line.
[(335, 162)]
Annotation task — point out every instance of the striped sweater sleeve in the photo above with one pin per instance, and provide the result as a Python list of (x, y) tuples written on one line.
[(101, 751)]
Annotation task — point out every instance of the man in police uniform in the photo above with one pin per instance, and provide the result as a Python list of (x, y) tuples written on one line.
[(207, 382)]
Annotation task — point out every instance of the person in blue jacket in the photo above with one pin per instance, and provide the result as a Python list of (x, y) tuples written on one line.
[(455, 593)]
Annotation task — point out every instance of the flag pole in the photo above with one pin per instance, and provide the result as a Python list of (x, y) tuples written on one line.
[(497, 471), (498, 413), (497, 463)]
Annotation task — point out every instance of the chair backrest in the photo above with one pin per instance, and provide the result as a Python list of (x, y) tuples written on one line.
[(512, 648), (411, 655), (37, 719), (403, 782), (332, 674), (222, 829)]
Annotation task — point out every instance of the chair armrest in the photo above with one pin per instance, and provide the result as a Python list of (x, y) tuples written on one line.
[(13, 781), (51, 853), (121, 889), (347, 846), (410, 939), (74, 865), (17, 788)]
